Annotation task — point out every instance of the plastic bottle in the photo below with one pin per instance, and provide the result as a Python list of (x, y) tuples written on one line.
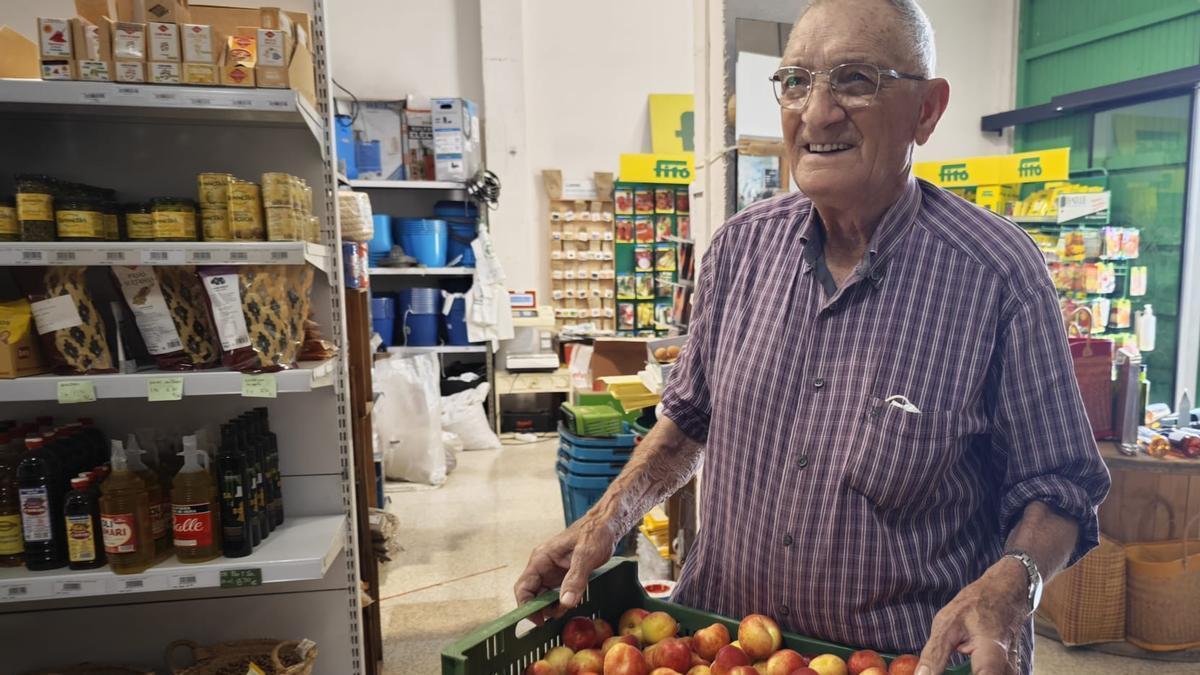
[(195, 512), (81, 513), (234, 477), (274, 477), (160, 504), (41, 496), (1146, 328), (125, 517), (12, 544)]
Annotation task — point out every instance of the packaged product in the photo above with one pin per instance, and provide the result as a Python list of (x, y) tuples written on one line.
[(623, 200), (129, 41), (315, 347), (213, 190), (78, 220), (165, 73), (285, 224), (174, 219), (93, 50), (643, 201), (200, 73), (259, 313), (664, 200), (139, 222), (245, 212), (215, 224), (237, 68), (197, 43), (1130, 242), (172, 317), (19, 355), (130, 71), (54, 38), (35, 207), (163, 38), (10, 229), (75, 337)]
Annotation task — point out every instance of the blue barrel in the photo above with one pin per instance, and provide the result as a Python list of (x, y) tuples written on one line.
[(381, 244), (425, 239), (420, 330), (456, 323), (463, 221), (383, 318), (344, 136)]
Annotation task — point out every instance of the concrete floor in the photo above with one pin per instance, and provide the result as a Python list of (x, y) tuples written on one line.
[(466, 542)]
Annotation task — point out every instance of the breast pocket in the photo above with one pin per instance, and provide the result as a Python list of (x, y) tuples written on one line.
[(902, 457)]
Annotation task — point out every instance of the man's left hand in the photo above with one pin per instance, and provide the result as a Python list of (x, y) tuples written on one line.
[(984, 621)]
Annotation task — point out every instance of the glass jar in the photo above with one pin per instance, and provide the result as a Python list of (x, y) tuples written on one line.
[(139, 222), (78, 219), (112, 221), (174, 219), (35, 207), (10, 229)]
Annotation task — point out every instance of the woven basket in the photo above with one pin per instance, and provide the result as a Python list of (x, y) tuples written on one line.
[(1163, 612), (274, 657), (93, 669), (1086, 603), (1092, 359)]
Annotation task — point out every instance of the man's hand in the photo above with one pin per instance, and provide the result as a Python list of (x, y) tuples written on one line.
[(568, 558), (984, 620)]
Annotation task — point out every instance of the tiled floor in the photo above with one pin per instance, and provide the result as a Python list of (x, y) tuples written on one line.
[(466, 542)]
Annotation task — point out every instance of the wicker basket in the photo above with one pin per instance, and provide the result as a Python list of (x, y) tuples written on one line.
[(1086, 603), (1163, 613), (93, 669), (274, 657)]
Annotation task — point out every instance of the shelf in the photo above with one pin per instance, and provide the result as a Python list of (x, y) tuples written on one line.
[(165, 253), (215, 382), (221, 104), (401, 184), (422, 271), (442, 349), (302, 549)]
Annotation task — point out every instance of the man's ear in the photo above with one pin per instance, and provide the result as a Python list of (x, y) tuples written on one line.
[(937, 97)]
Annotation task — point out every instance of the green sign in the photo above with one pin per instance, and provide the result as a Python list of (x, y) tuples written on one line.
[(241, 578), (164, 388)]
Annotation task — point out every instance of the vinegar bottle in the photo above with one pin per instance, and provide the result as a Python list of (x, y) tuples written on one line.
[(233, 477), (195, 514), (85, 549), (125, 518), (40, 491), (160, 505), (12, 544)]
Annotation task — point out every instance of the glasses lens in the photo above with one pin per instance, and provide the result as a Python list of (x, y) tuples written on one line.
[(855, 84), (792, 86)]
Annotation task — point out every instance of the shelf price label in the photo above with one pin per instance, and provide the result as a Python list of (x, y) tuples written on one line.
[(77, 587), (259, 386), (244, 578), (76, 391), (14, 592), (136, 584), (191, 580), (164, 389), (162, 257)]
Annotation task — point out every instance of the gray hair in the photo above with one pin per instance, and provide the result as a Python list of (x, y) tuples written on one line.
[(917, 29)]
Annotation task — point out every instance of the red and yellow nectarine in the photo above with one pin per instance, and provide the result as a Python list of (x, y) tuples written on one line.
[(785, 662), (622, 659), (828, 664), (658, 626), (604, 630), (905, 664), (759, 636), (579, 633), (626, 639), (708, 641), (558, 658), (587, 660), (864, 659), (728, 658)]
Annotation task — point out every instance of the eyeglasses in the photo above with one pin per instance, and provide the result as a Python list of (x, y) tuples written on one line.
[(853, 85)]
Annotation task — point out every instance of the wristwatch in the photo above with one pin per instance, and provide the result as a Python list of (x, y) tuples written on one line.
[(1031, 573)]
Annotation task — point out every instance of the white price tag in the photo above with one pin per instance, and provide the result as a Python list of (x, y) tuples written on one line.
[(201, 257), (162, 257), (78, 587), (281, 256), (200, 101), (279, 104), (239, 256), (136, 584), (242, 103), (14, 592), (128, 92), (64, 256), (29, 257), (165, 96), (191, 580), (95, 97), (114, 256)]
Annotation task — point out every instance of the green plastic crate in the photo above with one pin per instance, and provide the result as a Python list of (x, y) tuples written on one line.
[(496, 649)]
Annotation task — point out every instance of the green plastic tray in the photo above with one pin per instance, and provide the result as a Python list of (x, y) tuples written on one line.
[(496, 649)]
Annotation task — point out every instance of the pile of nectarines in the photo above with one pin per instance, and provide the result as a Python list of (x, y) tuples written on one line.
[(647, 643)]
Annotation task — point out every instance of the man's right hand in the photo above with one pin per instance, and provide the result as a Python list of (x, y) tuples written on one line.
[(567, 559)]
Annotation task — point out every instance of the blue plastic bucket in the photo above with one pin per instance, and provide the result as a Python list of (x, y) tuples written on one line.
[(456, 323), (425, 239), (463, 220), (344, 137), (421, 300), (420, 330), (383, 318), (381, 243)]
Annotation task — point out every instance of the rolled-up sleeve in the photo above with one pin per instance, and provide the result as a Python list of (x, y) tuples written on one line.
[(1040, 428), (686, 400)]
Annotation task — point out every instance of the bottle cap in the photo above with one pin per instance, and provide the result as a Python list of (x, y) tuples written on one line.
[(32, 442), (79, 483), (119, 460), (191, 456)]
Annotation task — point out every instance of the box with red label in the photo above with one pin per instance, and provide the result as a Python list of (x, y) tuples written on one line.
[(19, 356), (201, 74), (93, 50), (163, 39), (130, 71), (54, 39), (198, 43), (129, 41), (238, 61), (165, 73)]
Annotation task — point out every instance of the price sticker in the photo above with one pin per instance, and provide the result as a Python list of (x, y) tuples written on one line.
[(239, 256), (259, 386), (279, 104), (76, 391), (281, 256), (64, 256), (114, 256), (129, 92), (14, 592), (164, 389), (242, 103), (31, 257), (164, 96), (189, 580), (75, 587), (162, 257), (95, 97), (135, 584), (202, 256), (245, 578), (199, 101)]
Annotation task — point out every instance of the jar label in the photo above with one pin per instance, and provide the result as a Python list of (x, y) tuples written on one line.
[(35, 514), (81, 539), (159, 516), (8, 220), (214, 189), (139, 225), (216, 224), (112, 230), (80, 224), (120, 532), (175, 224), (11, 542), (276, 194), (193, 527), (33, 206)]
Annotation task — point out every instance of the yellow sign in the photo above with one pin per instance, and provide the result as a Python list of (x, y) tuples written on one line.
[(164, 389), (1027, 167), (672, 123), (677, 168), (76, 391), (259, 386)]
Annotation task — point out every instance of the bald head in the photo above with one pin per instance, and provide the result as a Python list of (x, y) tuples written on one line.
[(915, 31)]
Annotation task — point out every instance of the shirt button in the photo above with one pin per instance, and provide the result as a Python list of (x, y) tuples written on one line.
[(802, 461), (819, 382), (787, 540), (783, 610)]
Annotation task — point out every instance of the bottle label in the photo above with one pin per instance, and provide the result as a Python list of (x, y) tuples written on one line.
[(35, 515), (10, 535), (193, 525), (120, 532), (160, 514), (81, 539), (80, 224)]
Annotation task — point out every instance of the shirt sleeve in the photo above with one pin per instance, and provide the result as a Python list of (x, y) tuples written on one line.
[(1040, 428), (686, 400)]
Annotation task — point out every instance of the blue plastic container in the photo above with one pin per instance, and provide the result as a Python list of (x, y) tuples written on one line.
[(383, 318), (420, 330), (580, 493), (456, 323), (381, 244), (421, 300), (587, 446), (579, 467), (463, 221), (368, 157), (425, 239), (346, 154)]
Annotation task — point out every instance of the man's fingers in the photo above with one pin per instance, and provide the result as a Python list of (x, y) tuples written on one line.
[(989, 657), (944, 638)]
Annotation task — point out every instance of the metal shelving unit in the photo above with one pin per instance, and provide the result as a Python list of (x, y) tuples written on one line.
[(402, 184), (442, 349), (422, 271), (150, 140)]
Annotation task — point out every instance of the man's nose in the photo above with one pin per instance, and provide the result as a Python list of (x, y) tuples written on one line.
[(822, 109)]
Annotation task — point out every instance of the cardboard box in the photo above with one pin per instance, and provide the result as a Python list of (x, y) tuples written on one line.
[(162, 42), (237, 64), (18, 55), (165, 73), (54, 39), (130, 71), (382, 122), (457, 150), (301, 75), (93, 47), (19, 355), (201, 74), (198, 43), (618, 356), (172, 11), (996, 198), (129, 41), (94, 71), (62, 69), (418, 137), (274, 47)]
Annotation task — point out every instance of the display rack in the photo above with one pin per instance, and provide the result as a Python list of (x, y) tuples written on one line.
[(303, 580), (653, 243), (580, 219)]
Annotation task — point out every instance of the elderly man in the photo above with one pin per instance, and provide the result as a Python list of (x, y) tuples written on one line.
[(896, 453)]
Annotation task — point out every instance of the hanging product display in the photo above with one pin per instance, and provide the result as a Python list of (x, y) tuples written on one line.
[(581, 250), (653, 226)]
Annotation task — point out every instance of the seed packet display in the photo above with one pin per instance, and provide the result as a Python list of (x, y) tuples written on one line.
[(682, 201), (687, 261), (626, 287), (643, 227), (664, 200), (645, 316), (664, 227), (625, 316), (665, 284), (683, 227), (643, 257), (645, 286), (624, 230), (623, 201), (664, 257), (643, 201), (662, 314)]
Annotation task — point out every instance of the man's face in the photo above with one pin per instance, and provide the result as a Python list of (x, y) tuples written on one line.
[(879, 137)]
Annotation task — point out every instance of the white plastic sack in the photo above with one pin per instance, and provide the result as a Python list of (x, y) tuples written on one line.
[(463, 415), (408, 418)]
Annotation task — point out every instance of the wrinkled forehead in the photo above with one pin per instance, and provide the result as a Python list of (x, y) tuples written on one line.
[(827, 36)]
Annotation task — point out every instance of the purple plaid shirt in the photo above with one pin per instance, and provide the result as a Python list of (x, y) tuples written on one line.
[(827, 506)]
